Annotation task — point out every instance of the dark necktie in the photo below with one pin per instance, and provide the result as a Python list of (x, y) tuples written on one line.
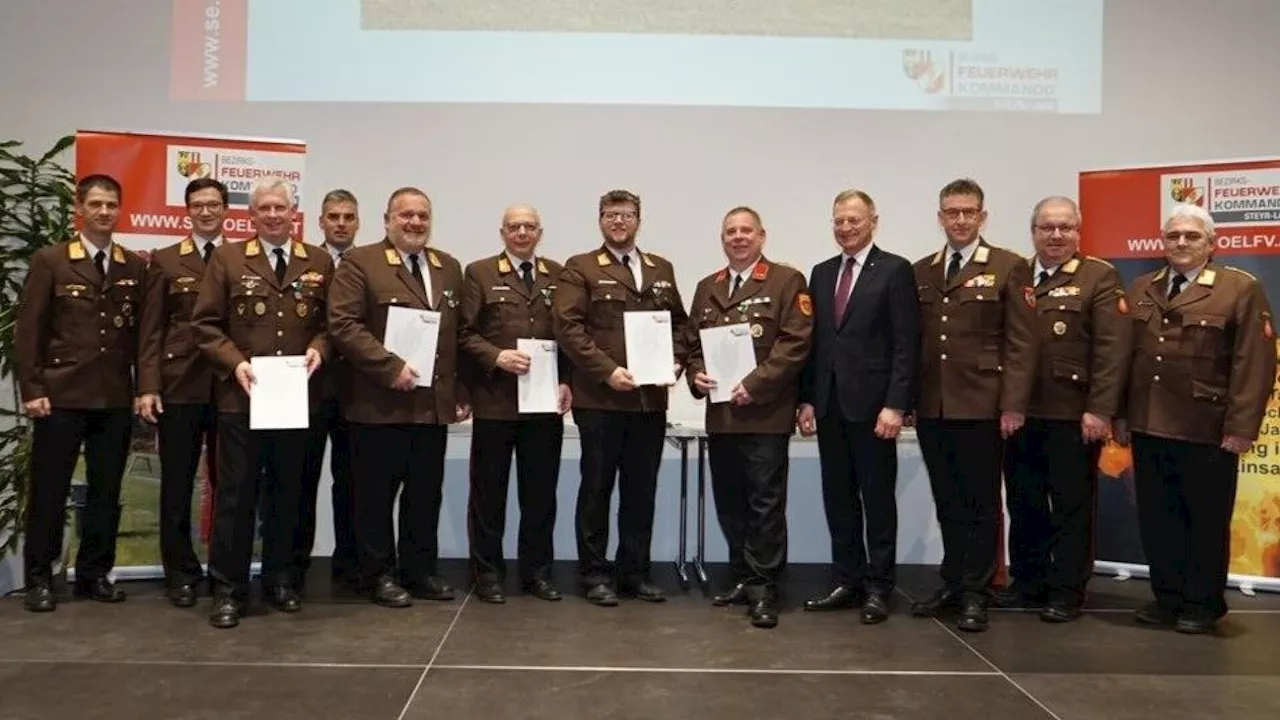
[(737, 283), (416, 271), (843, 287), (208, 250), (526, 274), (626, 263), (280, 264), (1044, 275), (1178, 281), (953, 268), (100, 261)]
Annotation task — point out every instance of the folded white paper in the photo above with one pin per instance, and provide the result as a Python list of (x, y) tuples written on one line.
[(649, 347), (414, 335), (278, 396), (729, 355), (538, 390)]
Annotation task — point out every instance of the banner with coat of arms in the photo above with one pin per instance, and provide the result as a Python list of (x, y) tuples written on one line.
[(1122, 214), (154, 169)]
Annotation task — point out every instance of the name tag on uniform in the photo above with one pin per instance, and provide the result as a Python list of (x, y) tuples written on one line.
[(984, 280), (1065, 291), (606, 282)]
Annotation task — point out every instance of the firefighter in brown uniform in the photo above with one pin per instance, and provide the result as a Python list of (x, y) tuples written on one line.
[(262, 297), (978, 364), (1204, 361), (1049, 464), (508, 297), (399, 431), (748, 436), (622, 425), (175, 381), (76, 345)]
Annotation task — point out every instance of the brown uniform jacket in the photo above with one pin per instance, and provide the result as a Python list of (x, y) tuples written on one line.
[(335, 375), (1085, 334), (1204, 364), (979, 346), (774, 301), (169, 361), (76, 338), (242, 312), (593, 292), (497, 310), (370, 280)]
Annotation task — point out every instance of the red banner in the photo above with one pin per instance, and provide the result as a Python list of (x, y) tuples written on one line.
[(154, 170)]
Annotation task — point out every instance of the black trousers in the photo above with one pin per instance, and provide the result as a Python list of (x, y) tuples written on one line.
[(328, 427), (398, 459), (859, 486), (749, 484), (963, 461), (183, 432), (1186, 494), (256, 468), (55, 449), (625, 447), (1050, 479), (537, 442)]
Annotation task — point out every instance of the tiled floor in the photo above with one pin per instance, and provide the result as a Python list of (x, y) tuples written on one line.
[(342, 658)]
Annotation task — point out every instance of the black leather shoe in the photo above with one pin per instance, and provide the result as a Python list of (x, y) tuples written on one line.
[(1195, 624), (973, 617), (643, 590), (388, 594), (764, 612), (875, 609), (1059, 613), (1156, 615), (737, 595), (99, 590), (285, 599), (182, 596), (941, 602), (226, 612), (40, 598), (839, 598), (1019, 596), (490, 591), (543, 590), (432, 588), (602, 595)]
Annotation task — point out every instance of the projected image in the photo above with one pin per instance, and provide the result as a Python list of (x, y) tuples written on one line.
[(898, 19), (1002, 55)]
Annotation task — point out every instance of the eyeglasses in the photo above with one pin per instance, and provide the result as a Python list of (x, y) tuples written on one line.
[(205, 206), (960, 213), (1191, 237), (624, 215), (1065, 229), (517, 227), (851, 222)]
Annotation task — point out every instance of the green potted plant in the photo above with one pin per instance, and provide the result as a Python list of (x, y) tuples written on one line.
[(37, 208)]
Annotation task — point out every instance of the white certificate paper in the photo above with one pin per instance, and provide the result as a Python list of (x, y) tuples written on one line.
[(278, 397), (413, 335), (729, 355), (538, 390), (651, 354)]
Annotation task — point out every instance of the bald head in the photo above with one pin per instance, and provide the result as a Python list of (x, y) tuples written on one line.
[(521, 230)]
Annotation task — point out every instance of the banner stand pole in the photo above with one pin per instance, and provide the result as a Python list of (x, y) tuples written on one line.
[(1246, 584)]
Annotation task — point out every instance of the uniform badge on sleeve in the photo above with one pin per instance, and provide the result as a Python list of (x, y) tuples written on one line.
[(1267, 331), (805, 304), (1122, 305), (1029, 294)]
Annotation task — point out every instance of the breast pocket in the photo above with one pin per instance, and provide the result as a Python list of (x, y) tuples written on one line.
[(983, 307), (74, 302), (1063, 316), (250, 307), (1205, 335), (607, 306), (181, 300), (763, 319)]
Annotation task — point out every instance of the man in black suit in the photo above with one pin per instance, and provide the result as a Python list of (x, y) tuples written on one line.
[(856, 387)]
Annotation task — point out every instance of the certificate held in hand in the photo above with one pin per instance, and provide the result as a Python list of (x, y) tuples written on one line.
[(414, 335), (538, 391), (729, 354), (278, 397), (649, 346)]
